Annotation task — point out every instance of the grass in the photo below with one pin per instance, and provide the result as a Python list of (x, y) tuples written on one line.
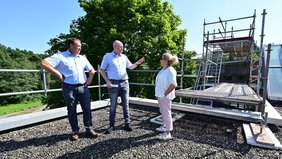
[(12, 108)]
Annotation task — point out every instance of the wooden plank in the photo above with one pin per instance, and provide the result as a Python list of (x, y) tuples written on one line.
[(252, 140), (206, 110), (273, 116), (239, 93), (261, 137)]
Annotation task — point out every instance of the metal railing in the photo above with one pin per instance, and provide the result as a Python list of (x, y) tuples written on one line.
[(99, 85)]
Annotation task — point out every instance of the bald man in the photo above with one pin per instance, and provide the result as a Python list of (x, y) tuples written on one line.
[(116, 63)]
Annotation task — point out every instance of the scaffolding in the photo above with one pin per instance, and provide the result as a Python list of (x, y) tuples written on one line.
[(226, 45), (228, 52)]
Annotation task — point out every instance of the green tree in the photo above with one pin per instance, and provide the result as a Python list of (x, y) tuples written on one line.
[(19, 81), (147, 28)]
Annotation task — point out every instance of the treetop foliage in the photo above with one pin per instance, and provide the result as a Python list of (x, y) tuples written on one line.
[(147, 28), (19, 81)]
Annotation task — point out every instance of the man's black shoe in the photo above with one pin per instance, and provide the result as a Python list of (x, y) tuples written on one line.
[(74, 136), (92, 134), (128, 128), (110, 129)]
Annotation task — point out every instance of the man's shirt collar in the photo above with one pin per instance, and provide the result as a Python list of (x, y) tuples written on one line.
[(70, 54), (116, 55)]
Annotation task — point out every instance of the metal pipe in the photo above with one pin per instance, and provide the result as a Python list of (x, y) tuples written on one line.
[(273, 66), (266, 118), (265, 79), (229, 20), (99, 82), (141, 84), (182, 67), (205, 65), (220, 65), (18, 93), (261, 60), (154, 71), (16, 70), (99, 86), (44, 82), (21, 70), (232, 31), (42, 91), (224, 28), (254, 24), (204, 36), (143, 71)]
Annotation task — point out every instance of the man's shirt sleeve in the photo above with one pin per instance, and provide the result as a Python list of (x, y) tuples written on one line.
[(104, 63), (53, 60), (128, 63)]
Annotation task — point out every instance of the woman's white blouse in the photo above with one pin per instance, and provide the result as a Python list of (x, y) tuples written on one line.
[(164, 79)]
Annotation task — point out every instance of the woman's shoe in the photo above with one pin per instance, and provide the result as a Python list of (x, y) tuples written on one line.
[(161, 128), (165, 136)]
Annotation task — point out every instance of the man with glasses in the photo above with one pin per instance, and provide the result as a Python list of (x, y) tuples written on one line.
[(116, 63), (69, 66)]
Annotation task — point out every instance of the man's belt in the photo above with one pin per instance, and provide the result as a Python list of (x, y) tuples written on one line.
[(119, 81), (78, 84)]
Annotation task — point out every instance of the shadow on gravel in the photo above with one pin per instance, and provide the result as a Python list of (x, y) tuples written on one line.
[(217, 132), (139, 119), (107, 148), (48, 141)]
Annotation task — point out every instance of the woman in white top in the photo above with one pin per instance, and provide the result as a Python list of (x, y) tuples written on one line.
[(165, 92)]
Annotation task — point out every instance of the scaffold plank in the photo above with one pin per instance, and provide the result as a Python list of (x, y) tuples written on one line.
[(230, 92), (206, 110)]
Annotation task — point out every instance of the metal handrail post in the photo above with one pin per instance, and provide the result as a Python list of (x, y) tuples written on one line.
[(99, 82), (44, 83), (182, 67)]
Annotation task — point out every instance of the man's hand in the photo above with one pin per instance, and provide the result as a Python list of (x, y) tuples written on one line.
[(140, 61), (61, 77), (109, 85), (88, 82), (90, 77)]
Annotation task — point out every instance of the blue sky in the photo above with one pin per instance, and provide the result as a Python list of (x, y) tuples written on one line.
[(193, 14), (29, 24)]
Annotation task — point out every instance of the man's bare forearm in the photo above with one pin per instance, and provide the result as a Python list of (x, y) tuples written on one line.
[(46, 66), (103, 74)]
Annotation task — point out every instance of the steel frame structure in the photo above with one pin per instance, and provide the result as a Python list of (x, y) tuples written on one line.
[(225, 42)]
